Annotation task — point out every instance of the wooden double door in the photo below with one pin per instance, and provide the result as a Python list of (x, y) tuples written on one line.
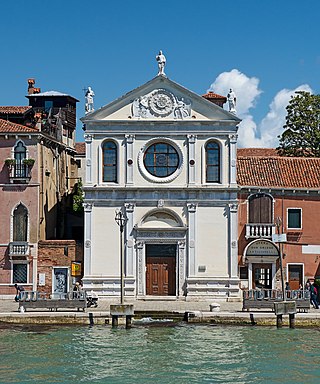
[(161, 269)]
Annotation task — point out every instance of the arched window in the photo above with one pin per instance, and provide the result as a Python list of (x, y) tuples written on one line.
[(20, 223), (260, 209), (20, 152), (212, 162), (109, 162)]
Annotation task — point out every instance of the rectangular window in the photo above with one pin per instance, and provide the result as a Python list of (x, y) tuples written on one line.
[(48, 104), (244, 273), (294, 218), (20, 273)]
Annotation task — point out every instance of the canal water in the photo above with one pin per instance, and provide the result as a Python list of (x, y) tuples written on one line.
[(152, 354)]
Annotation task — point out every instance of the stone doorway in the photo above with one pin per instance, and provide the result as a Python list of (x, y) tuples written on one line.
[(161, 269)]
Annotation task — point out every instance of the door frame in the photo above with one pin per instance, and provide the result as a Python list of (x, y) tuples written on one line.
[(287, 271), (158, 237), (53, 277), (176, 267), (250, 272)]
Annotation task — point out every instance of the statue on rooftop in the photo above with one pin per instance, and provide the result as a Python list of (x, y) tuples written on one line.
[(232, 99), (89, 100), (161, 59)]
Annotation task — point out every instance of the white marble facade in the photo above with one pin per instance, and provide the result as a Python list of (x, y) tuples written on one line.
[(147, 154)]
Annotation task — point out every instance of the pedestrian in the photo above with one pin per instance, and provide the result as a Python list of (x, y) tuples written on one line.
[(288, 289), (313, 296), (19, 289), (76, 290)]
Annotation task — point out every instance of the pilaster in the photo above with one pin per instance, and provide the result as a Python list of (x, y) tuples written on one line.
[(233, 243), (191, 159), (88, 141), (141, 267), (192, 208), (129, 159), (129, 259), (233, 158), (87, 238)]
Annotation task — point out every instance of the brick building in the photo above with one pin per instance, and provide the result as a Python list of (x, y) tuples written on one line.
[(277, 195), (37, 177)]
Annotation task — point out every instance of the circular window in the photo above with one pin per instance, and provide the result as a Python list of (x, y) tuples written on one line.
[(161, 159)]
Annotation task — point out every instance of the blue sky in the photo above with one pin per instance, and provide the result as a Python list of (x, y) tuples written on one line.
[(263, 49)]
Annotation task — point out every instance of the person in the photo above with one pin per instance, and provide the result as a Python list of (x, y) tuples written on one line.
[(314, 296), (89, 100), (161, 59), (288, 289), (76, 290), (19, 289), (232, 99)]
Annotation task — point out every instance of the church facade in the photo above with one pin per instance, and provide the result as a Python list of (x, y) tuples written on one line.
[(166, 158)]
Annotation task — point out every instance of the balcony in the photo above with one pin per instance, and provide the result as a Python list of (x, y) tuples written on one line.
[(256, 231), (18, 249), (20, 172)]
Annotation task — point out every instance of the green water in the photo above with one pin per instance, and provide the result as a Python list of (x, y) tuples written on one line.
[(149, 354)]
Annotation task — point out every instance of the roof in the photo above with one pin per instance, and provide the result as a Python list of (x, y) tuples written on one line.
[(80, 148), (8, 127), (13, 110), (200, 104), (51, 94), (278, 172), (212, 95), (264, 152)]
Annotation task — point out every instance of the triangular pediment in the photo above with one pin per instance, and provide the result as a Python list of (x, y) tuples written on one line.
[(160, 99)]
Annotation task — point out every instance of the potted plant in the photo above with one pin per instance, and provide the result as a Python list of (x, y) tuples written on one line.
[(28, 162), (10, 162)]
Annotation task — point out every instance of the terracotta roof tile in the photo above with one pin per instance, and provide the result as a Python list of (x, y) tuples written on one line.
[(266, 152), (278, 172), (8, 127), (14, 110), (80, 148), (212, 95)]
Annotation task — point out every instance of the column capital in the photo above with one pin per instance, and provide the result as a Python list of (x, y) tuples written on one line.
[(233, 207), (192, 207), (87, 207), (129, 207), (88, 138), (130, 138), (192, 139), (139, 244), (233, 138)]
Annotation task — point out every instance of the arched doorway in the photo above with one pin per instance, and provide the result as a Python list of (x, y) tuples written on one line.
[(160, 240), (261, 256)]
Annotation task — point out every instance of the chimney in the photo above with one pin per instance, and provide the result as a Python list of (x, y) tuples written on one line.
[(31, 89)]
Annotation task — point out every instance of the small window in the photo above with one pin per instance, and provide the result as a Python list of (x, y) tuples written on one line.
[(109, 162), (48, 104), (20, 273), (244, 273), (294, 218), (212, 162)]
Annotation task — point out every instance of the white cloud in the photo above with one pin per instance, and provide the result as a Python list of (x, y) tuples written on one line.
[(251, 134)]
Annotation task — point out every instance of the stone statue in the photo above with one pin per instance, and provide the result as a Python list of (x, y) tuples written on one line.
[(161, 59), (89, 100), (232, 99)]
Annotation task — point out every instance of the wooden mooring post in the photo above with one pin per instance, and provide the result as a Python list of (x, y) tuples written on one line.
[(285, 308)]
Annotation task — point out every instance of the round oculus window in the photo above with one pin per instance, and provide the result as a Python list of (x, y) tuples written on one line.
[(161, 159)]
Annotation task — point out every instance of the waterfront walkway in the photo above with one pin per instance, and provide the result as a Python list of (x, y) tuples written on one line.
[(230, 313)]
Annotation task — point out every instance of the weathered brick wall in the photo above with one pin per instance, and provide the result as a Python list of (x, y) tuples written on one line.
[(54, 253)]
